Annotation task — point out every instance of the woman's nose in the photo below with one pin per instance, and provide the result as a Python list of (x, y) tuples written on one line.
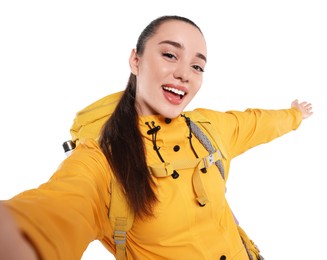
[(182, 73)]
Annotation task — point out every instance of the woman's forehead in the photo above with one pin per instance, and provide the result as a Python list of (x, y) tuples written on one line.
[(183, 33)]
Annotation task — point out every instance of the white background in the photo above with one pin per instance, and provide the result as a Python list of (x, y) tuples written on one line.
[(56, 57)]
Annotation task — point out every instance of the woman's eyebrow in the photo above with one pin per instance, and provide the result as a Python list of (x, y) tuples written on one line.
[(180, 46)]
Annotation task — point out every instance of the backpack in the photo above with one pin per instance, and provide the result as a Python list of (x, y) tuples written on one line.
[(88, 123)]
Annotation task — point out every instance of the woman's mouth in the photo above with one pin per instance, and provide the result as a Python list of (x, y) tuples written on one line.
[(173, 95), (175, 91)]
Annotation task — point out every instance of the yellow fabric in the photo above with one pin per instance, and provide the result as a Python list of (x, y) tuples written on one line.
[(166, 169), (88, 122), (62, 216)]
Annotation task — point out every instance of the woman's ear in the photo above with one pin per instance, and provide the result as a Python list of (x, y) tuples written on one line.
[(134, 62)]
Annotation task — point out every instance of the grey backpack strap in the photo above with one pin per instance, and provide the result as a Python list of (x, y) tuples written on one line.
[(204, 140)]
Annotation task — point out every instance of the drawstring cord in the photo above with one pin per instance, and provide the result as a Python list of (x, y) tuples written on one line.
[(153, 130)]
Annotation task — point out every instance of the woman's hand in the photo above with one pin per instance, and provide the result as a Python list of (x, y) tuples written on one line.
[(13, 245), (304, 107)]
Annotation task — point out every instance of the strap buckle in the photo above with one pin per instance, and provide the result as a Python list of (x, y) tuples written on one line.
[(209, 160), (120, 237)]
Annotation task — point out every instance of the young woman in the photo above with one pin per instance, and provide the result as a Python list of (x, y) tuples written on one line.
[(181, 215)]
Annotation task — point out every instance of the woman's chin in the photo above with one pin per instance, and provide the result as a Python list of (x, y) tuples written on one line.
[(171, 113)]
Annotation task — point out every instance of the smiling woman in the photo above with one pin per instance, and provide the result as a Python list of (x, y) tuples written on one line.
[(138, 148)]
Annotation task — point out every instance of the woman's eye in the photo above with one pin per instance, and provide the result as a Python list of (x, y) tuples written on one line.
[(198, 68), (169, 55)]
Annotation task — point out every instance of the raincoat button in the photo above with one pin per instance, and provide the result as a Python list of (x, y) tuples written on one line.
[(223, 257), (176, 148), (175, 175), (167, 120)]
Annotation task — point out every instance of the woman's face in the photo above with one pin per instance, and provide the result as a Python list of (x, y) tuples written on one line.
[(169, 72)]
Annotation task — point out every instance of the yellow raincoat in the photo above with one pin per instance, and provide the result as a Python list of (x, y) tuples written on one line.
[(61, 217)]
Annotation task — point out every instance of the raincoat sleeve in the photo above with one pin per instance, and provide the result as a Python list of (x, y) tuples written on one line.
[(61, 217), (242, 130)]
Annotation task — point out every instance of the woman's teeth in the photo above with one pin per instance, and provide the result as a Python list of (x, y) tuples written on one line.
[(174, 90)]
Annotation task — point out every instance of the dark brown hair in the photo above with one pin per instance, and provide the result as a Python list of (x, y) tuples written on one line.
[(121, 140)]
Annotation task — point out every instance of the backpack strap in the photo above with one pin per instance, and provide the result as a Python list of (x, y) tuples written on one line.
[(168, 168), (120, 216), (204, 140)]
